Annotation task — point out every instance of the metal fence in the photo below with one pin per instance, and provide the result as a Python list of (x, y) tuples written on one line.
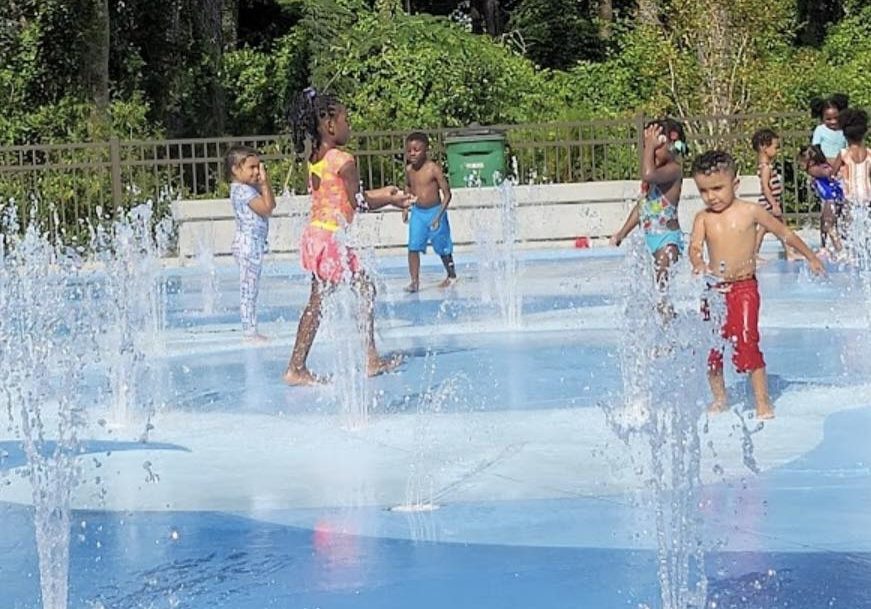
[(76, 183)]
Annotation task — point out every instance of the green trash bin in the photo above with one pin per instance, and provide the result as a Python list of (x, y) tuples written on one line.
[(474, 155)]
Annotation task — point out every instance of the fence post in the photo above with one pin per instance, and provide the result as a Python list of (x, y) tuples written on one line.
[(115, 165), (639, 135)]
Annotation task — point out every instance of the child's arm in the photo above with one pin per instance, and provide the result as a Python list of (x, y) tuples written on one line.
[(628, 227), (820, 170), (408, 189), (697, 244), (835, 166), (765, 181), (445, 189), (789, 238), (376, 198), (263, 205)]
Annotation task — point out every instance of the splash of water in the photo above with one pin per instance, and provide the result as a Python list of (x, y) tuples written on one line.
[(210, 292), (496, 244), (859, 245), (48, 341), (134, 303), (663, 352), (344, 325)]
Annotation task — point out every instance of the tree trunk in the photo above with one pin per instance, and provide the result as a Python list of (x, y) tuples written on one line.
[(95, 67), (486, 17), (210, 35), (606, 18), (230, 24)]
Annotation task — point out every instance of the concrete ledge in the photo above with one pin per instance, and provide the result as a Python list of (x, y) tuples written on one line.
[(548, 215)]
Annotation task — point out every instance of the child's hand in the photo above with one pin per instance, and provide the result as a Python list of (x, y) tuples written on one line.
[(816, 266), (699, 269), (776, 210), (400, 199), (615, 241), (435, 223), (653, 136), (263, 178)]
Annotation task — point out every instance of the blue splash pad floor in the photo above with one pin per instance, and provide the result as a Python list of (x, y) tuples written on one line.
[(258, 495)]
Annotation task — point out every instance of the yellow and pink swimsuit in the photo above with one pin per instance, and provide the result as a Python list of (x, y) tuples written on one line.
[(331, 210)]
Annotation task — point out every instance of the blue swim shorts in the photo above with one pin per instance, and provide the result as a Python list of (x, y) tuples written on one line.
[(420, 232)]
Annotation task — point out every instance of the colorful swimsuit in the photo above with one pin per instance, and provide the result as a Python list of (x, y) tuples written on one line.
[(249, 245), (331, 210), (655, 212)]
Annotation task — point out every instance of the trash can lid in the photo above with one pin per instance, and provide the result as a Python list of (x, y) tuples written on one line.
[(474, 133)]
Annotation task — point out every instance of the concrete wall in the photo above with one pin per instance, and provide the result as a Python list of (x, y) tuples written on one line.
[(548, 215)]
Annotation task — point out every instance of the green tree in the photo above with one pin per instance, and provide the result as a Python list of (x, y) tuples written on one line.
[(556, 33)]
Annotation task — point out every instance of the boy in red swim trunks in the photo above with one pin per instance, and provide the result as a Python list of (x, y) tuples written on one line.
[(728, 227)]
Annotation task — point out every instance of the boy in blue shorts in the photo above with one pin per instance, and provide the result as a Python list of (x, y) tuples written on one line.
[(427, 219)]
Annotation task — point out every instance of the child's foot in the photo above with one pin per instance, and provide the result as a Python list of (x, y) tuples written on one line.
[(383, 365), (299, 378), (412, 287), (255, 339), (448, 282), (718, 406), (764, 412)]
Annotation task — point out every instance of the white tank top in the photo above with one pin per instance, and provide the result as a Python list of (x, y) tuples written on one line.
[(857, 185)]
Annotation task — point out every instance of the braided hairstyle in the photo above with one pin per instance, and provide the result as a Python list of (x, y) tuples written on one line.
[(305, 116)]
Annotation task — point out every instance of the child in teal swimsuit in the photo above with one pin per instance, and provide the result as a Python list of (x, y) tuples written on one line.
[(656, 212)]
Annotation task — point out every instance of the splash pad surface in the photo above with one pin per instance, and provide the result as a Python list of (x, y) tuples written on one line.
[(252, 494)]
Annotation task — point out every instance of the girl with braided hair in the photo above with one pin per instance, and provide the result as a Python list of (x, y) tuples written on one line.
[(320, 127)]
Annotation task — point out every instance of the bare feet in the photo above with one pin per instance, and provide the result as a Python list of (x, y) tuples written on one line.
[(718, 406), (412, 287), (448, 282), (764, 411), (383, 365), (255, 339), (298, 378)]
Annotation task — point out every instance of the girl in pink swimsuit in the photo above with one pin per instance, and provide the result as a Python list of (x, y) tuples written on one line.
[(321, 122)]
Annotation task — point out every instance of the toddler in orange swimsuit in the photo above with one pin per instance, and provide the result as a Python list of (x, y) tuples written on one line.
[(728, 226), (321, 122)]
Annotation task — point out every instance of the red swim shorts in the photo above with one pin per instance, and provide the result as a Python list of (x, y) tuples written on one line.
[(325, 257), (741, 327)]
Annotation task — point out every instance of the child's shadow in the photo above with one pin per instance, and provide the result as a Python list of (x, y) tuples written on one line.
[(742, 393)]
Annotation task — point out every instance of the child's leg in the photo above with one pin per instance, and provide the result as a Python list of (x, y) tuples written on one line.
[(717, 381), (759, 383), (249, 287), (663, 259), (448, 262), (827, 224), (366, 291), (444, 247), (297, 373), (413, 271)]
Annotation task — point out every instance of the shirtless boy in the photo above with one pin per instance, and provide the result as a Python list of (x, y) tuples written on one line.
[(429, 219), (728, 226)]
